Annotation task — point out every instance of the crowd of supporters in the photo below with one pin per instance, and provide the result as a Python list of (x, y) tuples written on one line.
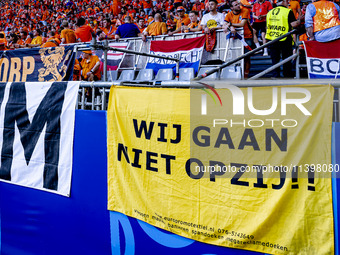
[(46, 23), (49, 23)]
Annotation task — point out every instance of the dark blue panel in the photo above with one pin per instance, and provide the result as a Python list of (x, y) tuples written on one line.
[(137, 237), (336, 181), (39, 222)]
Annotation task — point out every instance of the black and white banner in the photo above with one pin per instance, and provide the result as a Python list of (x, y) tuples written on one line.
[(36, 134)]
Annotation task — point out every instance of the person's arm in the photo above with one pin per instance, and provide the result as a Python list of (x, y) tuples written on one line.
[(176, 31), (310, 13), (299, 10), (241, 24), (38, 43), (93, 69), (197, 29)]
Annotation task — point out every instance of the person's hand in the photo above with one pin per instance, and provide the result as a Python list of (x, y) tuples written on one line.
[(207, 30), (143, 38), (170, 33), (232, 30)]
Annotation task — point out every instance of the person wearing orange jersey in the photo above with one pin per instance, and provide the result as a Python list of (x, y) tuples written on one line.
[(322, 21), (141, 25), (67, 35), (182, 21), (108, 29), (147, 6), (295, 7), (246, 4), (199, 7), (194, 25), (155, 28), (116, 7), (51, 40), (238, 17), (25, 39), (83, 32), (3, 42), (76, 71), (90, 67)]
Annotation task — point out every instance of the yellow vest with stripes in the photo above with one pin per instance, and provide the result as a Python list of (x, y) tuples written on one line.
[(277, 23)]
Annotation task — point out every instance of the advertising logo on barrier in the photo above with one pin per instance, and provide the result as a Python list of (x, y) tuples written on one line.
[(189, 50), (252, 172), (36, 134), (37, 64), (323, 59)]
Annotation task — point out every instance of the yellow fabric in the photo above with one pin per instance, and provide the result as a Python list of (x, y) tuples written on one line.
[(277, 23), (219, 210), (37, 40)]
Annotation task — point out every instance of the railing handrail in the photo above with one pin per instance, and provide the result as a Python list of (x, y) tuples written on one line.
[(243, 56)]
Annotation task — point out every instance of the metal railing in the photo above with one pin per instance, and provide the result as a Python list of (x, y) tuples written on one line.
[(248, 54), (100, 102), (224, 50)]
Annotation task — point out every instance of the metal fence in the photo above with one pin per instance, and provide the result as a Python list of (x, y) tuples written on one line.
[(99, 91), (225, 49)]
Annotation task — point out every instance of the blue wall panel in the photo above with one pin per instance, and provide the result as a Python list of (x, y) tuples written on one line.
[(39, 222)]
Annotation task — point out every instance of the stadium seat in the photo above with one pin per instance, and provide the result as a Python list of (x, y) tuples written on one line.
[(112, 75), (186, 74), (204, 69), (127, 75), (145, 75), (165, 75), (231, 72)]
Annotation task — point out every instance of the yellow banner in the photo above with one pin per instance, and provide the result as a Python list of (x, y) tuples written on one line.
[(244, 168)]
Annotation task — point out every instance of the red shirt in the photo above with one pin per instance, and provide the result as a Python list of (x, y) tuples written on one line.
[(84, 33), (261, 9)]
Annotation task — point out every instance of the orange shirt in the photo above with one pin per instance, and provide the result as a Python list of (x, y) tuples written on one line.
[(141, 29), (87, 66), (294, 6), (148, 4), (231, 17), (198, 7), (156, 28), (110, 33), (49, 44), (115, 7), (3, 42), (84, 33), (185, 20), (69, 35)]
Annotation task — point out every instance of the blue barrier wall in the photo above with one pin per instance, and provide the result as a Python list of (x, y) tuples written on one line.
[(39, 222)]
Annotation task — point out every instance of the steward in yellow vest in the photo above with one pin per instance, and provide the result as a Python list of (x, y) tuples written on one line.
[(280, 21), (277, 23)]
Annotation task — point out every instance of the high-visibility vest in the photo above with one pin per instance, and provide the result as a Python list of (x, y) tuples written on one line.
[(326, 16), (277, 23)]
